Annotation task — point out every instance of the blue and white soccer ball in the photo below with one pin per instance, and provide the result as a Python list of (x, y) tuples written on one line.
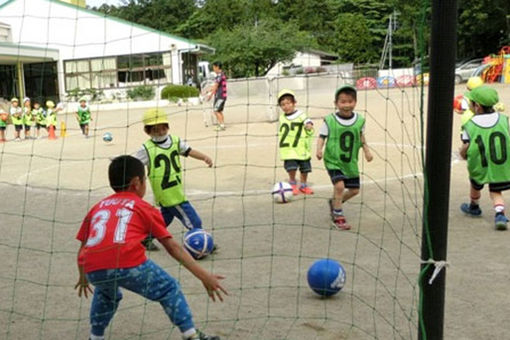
[(107, 137), (282, 192), (326, 277), (198, 242)]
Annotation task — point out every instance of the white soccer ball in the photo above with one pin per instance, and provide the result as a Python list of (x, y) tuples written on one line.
[(282, 192)]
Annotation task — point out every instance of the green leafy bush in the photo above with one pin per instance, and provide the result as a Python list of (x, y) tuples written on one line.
[(178, 91), (143, 92)]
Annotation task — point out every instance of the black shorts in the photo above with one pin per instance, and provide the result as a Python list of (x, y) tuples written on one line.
[(2, 128), (493, 187), (27, 127), (304, 166), (38, 126), (18, 127), (84, 125), (337, 176), (219, 104)]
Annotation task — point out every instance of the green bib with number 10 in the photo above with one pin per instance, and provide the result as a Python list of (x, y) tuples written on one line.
[(165, 173), (487, 154), (343, 144)]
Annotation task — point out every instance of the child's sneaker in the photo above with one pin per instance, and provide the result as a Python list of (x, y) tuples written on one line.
[(295, 189), (306, 190), (340, 223), (470, 209), (201, 336), (501, 222), (219, 128)]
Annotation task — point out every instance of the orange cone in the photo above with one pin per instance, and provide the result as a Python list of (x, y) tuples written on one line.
[(51, 132)]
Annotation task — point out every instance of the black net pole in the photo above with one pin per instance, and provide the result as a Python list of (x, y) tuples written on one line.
[(437, 167)]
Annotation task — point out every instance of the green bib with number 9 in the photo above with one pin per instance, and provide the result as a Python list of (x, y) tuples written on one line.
[(488, 151), (343, 144), (165, 173)]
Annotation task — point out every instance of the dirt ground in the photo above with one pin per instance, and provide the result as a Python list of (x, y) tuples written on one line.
[(265, 248)]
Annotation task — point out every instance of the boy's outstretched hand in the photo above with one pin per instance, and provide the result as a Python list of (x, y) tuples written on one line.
[(213, 286), (208, 161), (368, 156), (83, 287)]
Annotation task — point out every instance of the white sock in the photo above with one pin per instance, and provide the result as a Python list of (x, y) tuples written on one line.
[(499, 208), (189, 333), (96, 337)]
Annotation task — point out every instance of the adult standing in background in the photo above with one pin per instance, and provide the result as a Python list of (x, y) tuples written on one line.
[(220, 94)]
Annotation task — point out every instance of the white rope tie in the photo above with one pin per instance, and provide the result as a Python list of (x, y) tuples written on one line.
[(439, 265)]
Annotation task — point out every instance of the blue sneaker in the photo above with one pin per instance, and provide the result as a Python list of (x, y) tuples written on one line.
[(466, 208), (501, 221)]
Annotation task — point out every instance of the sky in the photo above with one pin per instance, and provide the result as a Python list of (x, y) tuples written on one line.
[(97, 3)]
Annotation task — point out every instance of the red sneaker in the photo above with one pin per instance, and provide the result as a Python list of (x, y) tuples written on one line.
[(295, 189), (306, 190), (340, 223)]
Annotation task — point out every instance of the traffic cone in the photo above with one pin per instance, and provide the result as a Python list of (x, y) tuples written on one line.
[(63, 129), (51, 132)]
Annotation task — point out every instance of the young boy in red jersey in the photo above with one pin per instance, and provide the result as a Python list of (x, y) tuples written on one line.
[(112, 255)]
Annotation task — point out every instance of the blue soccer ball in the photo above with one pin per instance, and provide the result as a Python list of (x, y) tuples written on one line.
[(198, 242), (326, 277), (107, 137)]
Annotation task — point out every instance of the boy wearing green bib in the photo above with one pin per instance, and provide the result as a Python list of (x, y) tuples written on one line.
[(486, 146), (83, 116), (294, 137), (16, 118), (40, 118), (162, 156), (28, 119), (342, 133)]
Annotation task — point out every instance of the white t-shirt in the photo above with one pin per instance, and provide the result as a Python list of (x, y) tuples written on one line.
[(324, 130), (143, 156), (486, 120)]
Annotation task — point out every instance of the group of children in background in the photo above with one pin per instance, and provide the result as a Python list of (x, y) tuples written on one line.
[(29, 116)]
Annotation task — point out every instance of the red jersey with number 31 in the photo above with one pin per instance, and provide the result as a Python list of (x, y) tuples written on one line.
[(113, 230)]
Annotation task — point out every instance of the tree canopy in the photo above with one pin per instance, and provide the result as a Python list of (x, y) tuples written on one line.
[(252, 36)]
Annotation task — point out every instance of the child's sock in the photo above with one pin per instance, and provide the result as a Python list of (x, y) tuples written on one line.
[(475, 201), (189, 333), (303, 185), (96, 337), (338, 212), (292, 182), (499, 209)]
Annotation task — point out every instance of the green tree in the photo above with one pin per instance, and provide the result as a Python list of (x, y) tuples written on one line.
[(483, 27), (354, 41), (252, 50)]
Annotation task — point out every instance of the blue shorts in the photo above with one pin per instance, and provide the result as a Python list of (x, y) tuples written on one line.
[(337, 175), (304, 166), (184, 212)]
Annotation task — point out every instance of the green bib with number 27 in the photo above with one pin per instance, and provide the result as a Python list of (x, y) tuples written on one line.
[(342, 145), (165, 173)]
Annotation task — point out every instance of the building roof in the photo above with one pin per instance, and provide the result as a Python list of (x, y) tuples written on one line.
[(198, 47), (10, 53)]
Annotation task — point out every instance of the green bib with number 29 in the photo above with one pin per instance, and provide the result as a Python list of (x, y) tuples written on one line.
[(342, 145), (487, 154), (165, 173)]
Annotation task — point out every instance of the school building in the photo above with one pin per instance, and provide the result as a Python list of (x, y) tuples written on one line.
[(50, 47)]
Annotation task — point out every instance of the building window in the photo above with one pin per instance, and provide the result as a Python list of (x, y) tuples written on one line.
[(119, 71)]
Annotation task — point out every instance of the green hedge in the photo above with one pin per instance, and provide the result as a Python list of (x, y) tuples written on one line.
[(178, 91), (143, 92)]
